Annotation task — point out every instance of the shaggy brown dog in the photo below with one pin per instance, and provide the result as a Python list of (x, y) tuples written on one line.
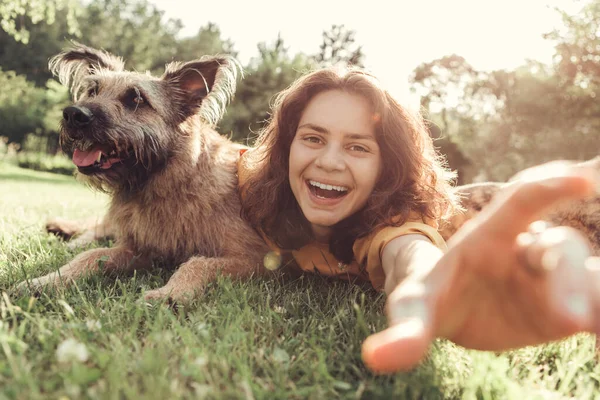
[(583, 215), (149, 142)]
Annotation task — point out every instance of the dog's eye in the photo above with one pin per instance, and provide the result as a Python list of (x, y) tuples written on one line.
[(134, 99), (92, 91)]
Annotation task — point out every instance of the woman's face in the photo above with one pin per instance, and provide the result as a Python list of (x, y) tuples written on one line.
[(334, 159)]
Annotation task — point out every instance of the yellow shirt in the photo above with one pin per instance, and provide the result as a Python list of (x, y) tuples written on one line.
[(366, 265)]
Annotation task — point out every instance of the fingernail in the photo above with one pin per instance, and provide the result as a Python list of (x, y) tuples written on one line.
[(408, 310), (578, 305)]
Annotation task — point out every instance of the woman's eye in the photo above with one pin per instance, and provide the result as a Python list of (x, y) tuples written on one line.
[(359, 148), (313, 139)]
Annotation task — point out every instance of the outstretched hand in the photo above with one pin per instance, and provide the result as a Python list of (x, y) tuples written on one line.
[(505, 281)]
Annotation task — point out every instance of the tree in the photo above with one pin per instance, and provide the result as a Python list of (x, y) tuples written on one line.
[(31, 59), (339, 46), (505, 121), (208, 41), (442, 84), (266, 75), (25, 108), (17, 16), (135, 31)]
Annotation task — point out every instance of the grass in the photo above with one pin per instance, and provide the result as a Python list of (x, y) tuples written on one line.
[(260, 339)]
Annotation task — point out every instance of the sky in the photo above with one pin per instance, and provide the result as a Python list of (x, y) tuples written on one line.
[(396, 36)]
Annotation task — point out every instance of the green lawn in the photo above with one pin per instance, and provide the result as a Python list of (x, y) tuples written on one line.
[(262, 339)]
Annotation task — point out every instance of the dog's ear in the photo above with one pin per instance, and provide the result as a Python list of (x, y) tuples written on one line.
[(204, 86), (74, 64)]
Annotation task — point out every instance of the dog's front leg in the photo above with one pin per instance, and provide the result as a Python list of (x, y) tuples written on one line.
[(105, 260), (192, 277)]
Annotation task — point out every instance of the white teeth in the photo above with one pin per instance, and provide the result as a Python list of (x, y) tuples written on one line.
[(328, 187), (86, 145)]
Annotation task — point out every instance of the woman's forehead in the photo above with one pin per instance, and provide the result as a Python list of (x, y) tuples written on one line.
[(337, 110)]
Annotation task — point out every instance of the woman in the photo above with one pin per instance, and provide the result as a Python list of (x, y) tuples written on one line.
[(348, 182)]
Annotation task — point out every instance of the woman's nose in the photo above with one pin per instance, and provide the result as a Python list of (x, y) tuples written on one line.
[(331, 159)]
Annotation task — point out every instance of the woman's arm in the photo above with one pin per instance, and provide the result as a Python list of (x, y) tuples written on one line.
[(409, 255), (502, 283)]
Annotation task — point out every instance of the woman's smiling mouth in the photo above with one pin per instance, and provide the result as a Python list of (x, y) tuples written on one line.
[(325, 193)]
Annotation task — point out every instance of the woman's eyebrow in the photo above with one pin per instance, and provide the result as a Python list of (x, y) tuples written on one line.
[(314, 127), (320, 129), (359, 136)]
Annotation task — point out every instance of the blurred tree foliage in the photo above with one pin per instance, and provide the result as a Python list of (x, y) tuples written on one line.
[(339, 46), (489, 124), (28, 109), (504, 121), (266, 75), (17, 16)]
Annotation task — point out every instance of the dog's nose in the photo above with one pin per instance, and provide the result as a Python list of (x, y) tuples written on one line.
[(77, 116)]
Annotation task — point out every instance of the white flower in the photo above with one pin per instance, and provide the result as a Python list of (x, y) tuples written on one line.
[(200, 361), (71, 350), (279, 310), (93, 325)]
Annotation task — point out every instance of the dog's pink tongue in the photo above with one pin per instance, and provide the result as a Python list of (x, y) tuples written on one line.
[(85, 158)]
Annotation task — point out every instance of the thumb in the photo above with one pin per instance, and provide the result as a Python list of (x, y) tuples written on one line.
[(404, 344)]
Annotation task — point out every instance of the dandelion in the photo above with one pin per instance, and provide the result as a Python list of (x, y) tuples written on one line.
[(201, 361), (93, 325), (71, 350), (279, 310)]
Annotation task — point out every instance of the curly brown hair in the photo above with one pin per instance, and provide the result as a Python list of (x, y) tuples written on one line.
[(415, 179)]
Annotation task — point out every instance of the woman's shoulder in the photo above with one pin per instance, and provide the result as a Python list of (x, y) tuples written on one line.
[(415, 224)]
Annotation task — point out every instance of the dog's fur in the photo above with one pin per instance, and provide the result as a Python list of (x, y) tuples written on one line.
[(583, 215), (172, 178)]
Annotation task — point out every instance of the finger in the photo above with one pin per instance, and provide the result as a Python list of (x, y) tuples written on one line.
[(398, 348), (524, 201), (549, 168), (541, 247), (530, 249), (404, 344), (561, 253)]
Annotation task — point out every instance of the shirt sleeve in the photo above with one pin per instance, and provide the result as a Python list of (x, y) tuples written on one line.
[(367, 250)]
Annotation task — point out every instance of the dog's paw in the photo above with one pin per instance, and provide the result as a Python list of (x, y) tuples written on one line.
[(32, 286), (156, 295), (169, 296), (38, 285), (62, 228)]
